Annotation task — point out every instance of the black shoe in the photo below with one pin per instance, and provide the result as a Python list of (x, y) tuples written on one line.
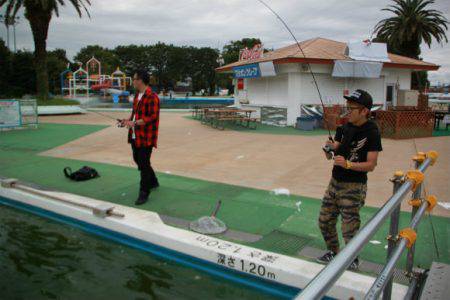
[(326, 258), (143, 197), (354, 265)]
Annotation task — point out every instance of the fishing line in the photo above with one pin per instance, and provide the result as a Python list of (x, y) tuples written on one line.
[(320, 96), (306, 61), (106, 116), (429, 213)]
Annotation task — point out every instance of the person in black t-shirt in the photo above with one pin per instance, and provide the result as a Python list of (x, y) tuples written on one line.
[(356, 148)]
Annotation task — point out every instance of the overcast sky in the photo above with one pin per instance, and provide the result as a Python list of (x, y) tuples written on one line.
[(215, 22)]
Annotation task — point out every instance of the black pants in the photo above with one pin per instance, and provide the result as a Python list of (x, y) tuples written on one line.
[(141, 157)]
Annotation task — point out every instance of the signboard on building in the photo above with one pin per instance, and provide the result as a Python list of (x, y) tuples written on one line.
[(10, 113), (267, 69), (254, 53), (247, 71)]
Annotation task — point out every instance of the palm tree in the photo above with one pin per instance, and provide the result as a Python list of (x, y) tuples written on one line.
[(413, 23), (39, 14)]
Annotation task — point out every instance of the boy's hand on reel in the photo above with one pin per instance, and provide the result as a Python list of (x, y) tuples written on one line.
[(121, 122), (329, 149), (329, 144)]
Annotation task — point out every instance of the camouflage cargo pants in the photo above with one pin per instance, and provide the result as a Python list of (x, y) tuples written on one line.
[(345, 199)]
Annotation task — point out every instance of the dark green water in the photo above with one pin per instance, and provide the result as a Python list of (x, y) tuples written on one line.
[(43, 259)]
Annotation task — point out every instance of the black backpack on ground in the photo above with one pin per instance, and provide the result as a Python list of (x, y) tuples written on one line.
[(85, 173)]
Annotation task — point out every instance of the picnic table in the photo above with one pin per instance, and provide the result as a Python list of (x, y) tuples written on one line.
[(217, 117), (197, 110)]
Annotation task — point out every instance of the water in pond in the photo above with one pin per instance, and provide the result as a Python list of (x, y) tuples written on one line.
[(176, 103), (43, 259)]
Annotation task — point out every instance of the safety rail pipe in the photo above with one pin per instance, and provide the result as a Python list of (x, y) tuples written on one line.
[(393, 231), (379, 284), (12, 183), (325, 279)]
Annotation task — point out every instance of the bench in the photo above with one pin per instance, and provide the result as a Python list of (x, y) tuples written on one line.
[(220, 121), (249, 121), (207, 116)]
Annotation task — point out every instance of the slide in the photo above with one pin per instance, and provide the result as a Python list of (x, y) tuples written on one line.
[(101, 86), (115, 93)]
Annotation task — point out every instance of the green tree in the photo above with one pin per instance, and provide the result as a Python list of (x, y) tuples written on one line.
[(18, 72), (179, 64), (56, 63), (22, 78), (39, 14), (107, 57), (159, 64), (167, 63), (5, 67), (231, 50), (203, 74), (133, 57), (413, 22)]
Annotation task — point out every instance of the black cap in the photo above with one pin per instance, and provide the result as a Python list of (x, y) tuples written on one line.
[(361, 97)]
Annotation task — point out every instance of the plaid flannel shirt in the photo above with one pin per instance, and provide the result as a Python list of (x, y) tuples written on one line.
[(146, 109)]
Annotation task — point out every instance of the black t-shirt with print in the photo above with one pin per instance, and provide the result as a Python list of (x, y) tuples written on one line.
[(356, 142)]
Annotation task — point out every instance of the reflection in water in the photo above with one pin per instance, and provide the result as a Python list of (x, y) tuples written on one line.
[(42, 259), (147, 278)]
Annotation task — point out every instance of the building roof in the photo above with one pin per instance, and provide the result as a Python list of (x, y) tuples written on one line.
[(326, 51)]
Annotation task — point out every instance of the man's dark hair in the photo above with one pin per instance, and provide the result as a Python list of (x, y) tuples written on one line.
[(143, 75)]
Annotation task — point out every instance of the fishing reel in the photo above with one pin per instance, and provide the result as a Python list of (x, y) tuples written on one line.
[(329, 151), (119, 123)]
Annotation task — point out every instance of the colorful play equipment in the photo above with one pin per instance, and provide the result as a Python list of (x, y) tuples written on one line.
[(89, 79), (94, 68), (80, 82), (120, 78), (65, 78)]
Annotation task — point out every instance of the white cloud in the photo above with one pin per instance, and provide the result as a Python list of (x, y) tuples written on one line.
[(215, 22)]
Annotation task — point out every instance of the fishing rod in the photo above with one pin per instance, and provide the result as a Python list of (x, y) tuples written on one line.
[(326, 148), (108, 117)]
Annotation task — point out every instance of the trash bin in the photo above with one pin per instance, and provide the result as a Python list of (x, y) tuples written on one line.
[(318, 121), (306, 123)]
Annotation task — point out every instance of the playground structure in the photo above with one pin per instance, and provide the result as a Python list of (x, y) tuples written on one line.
[(89, 80)]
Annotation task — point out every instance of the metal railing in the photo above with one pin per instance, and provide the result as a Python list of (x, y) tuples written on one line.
[(29, 112), (325, 279)]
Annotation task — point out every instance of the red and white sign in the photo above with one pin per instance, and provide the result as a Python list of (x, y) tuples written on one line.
[(240, 84), (249, 54)]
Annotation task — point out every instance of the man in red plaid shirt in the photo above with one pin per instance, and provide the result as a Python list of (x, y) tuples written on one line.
[(143, 132)]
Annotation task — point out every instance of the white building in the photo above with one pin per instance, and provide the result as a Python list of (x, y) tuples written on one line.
[(280, 92)]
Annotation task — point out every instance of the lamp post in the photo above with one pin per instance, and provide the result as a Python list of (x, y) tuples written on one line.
[(4, 20), (15, 21), (10, 21)]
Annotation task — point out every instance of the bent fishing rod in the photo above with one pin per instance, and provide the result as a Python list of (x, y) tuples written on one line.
[(306, 61)]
